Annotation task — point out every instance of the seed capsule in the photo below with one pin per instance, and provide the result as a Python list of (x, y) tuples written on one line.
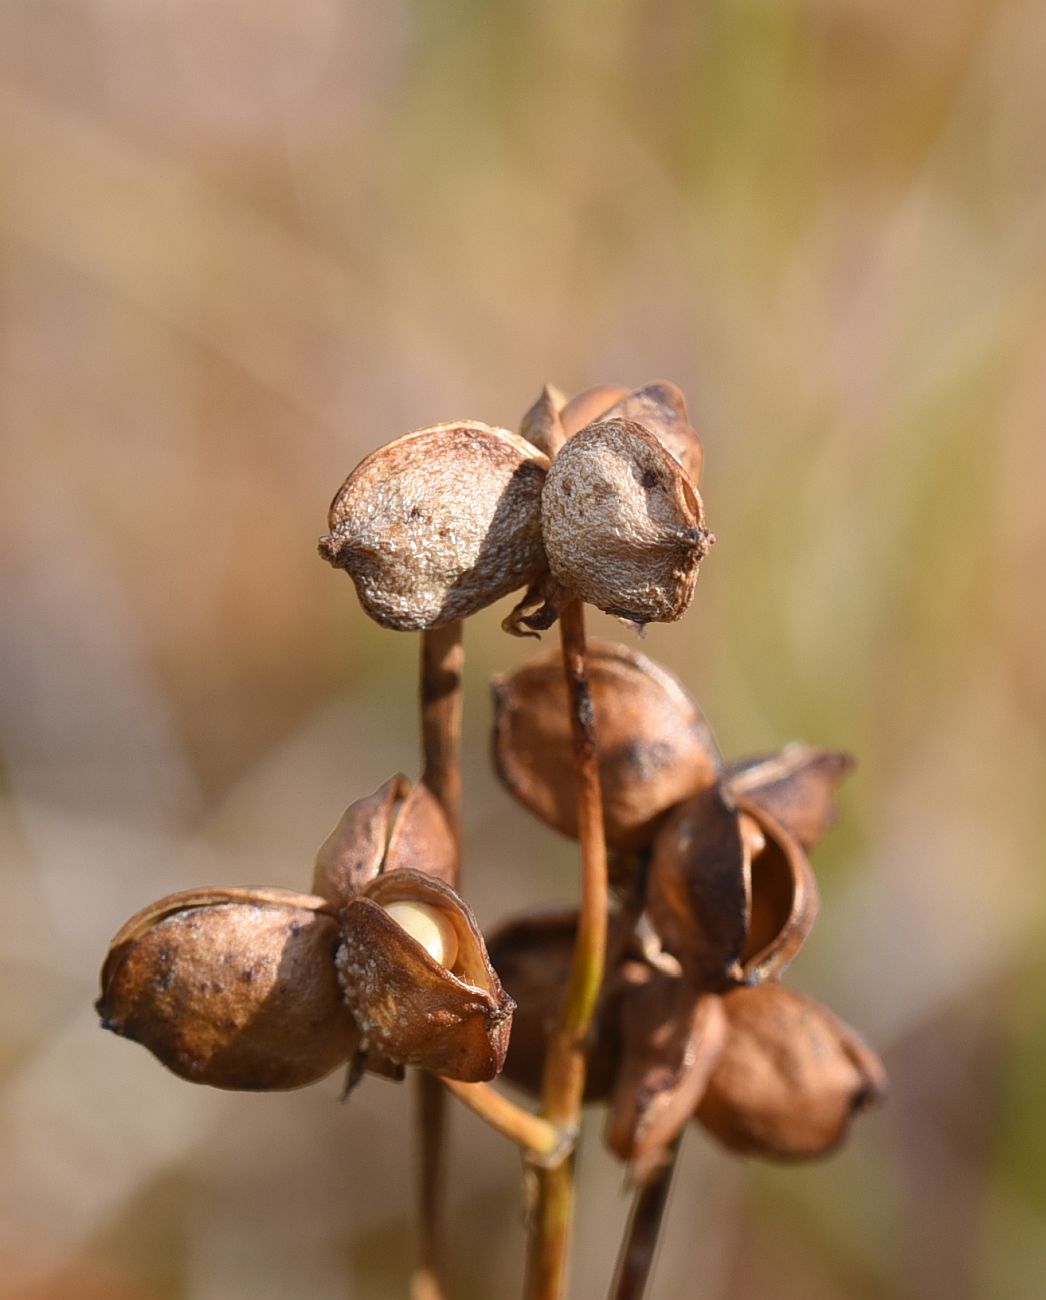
[(623, 526), (439, 524), (430, 926)]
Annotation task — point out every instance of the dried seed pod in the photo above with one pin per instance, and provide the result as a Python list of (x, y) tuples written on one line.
[(393, 828), (791, 1076), (542, 426), (439, 524), (796, 786), (586, 407), (731, 894), (655, 747), (660, 408), (411, 1008), (671, 1041), (622, 524), (532, 955), (235, 988)]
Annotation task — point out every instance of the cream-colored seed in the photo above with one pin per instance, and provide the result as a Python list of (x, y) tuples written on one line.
[(753, 835), (430, 926)]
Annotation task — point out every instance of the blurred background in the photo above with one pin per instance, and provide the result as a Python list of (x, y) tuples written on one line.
[(243, 245)]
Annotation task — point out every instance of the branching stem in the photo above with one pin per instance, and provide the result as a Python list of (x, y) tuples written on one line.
[(535, 1135)]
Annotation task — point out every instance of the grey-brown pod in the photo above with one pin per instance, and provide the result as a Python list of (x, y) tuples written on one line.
[(790, 1078), (655, 747), (623, 526), (439, 524), (235, 988)]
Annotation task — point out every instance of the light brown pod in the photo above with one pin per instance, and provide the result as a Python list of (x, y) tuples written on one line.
[(410, 1008), (791, 1076), (623, 526), (439, 524), (730, 893), (586, 407), (660, 408), (235, 988), (796, 786), (395, 827), (542, 426), (655, 747)]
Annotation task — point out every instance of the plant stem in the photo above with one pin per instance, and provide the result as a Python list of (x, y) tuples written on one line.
[(531, 1132), (564, 1081), (442, 666), (639, 1244)]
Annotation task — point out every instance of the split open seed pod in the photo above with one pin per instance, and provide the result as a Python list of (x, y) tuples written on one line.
[(671, 1040), (730, 893), (439, 524), (623, 525), (655, 747), (791, 1076), (533, 955), (796, 786), (235, 988), (415, 972), (396, 827), (541, 426)]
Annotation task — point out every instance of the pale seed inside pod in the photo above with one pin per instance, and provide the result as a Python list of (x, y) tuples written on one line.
[(430, 926), (622, 524), (439, 524)]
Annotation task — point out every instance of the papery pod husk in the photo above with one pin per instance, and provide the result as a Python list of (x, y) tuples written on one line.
[(542, 426), (395, 827), (439, 524), (728, 916), (410, 1008), (655, 747), (795, 785), (586, 407), (791, 1077), (623, 526), (660, 408), (671, 1039), (532, 955), (235, 988)]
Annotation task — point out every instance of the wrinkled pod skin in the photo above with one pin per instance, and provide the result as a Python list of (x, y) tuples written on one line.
[(235, 988), (791, 1076), (439, 524)]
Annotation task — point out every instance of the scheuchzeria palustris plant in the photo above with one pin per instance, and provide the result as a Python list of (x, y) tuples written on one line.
[(660, 995)]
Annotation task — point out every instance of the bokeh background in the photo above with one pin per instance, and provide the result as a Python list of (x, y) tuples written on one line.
[(244, 244)]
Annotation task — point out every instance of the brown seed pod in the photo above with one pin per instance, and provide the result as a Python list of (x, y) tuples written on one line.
[(412, 1008), (791, 1076), (796, 786), (235, 988), (397, 826), (622, 524), (532, 955), (655, 747), (542, 426), (731, 894), (660, 408), (671, 1041), (586, 407), (439, 524)]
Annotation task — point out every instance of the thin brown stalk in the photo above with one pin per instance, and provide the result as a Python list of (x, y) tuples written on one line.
[(564, 1081), (534, 1134), (442, 665), (639, 1244)]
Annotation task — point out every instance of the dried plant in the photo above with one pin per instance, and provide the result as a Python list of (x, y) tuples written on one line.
[(660, 995)]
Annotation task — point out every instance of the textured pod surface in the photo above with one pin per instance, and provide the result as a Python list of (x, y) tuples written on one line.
[(410, 1008), (533, 954), (232, 988), (623, 526), (671, 1040), (655, 747), (439, 524), (796, 786), (791, 1077), (660, 408)]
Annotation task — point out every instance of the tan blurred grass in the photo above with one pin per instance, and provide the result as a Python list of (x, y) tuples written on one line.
[(242, 246)]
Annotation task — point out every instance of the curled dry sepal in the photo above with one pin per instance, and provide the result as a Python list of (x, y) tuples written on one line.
[(442, 522), (712, 861), (381, 967)]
